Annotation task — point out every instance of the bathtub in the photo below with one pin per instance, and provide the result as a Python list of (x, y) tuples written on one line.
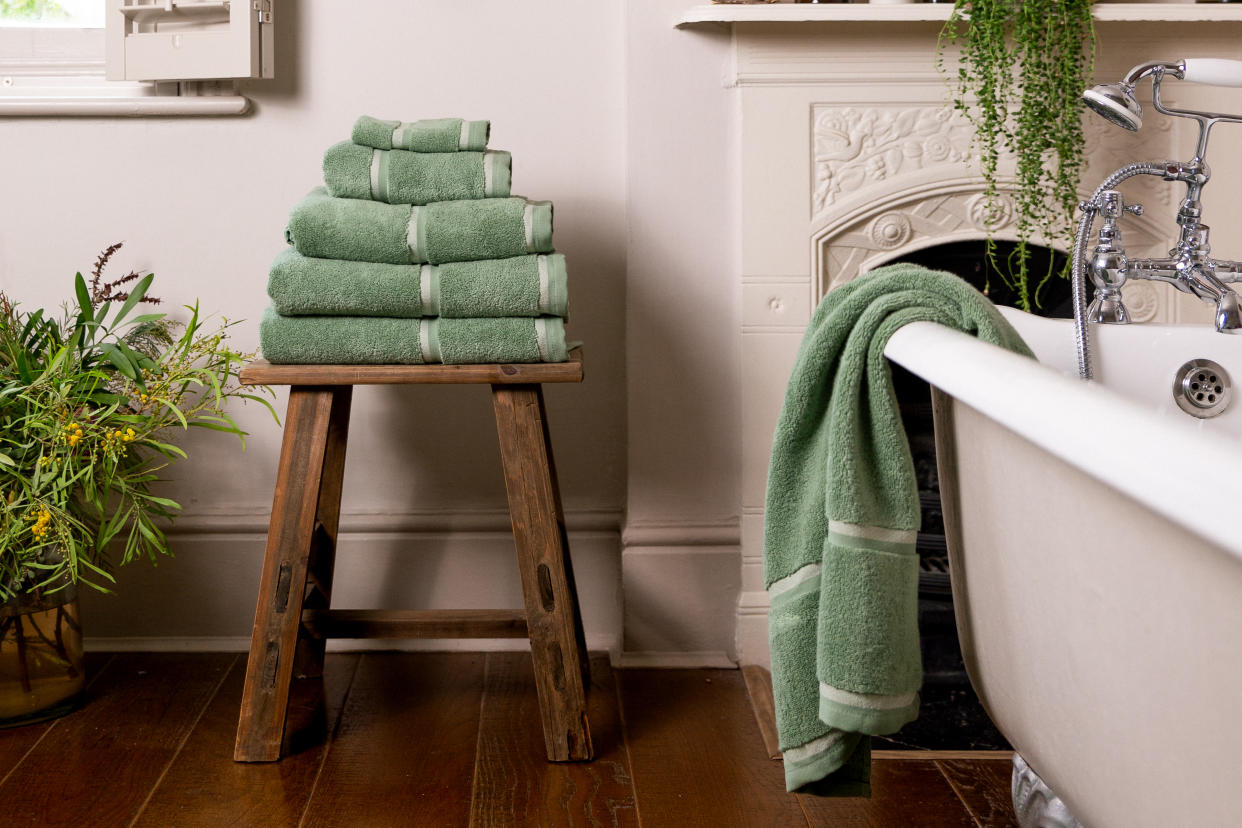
[(1096, 556)]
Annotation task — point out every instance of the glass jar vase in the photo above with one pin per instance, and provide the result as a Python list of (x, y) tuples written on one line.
[(41, 665)]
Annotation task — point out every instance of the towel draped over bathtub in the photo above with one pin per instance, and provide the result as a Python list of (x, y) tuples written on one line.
[(842, 515)]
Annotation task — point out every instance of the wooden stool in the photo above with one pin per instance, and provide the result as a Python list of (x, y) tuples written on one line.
[(294, 618)]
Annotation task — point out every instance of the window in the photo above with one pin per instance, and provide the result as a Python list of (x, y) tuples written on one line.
[(131, 57)]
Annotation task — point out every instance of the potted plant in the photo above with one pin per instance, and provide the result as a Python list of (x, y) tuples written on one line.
[(1023, 67), (89, 405)]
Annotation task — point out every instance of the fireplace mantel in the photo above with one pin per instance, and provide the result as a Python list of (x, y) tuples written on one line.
[(732, 13)]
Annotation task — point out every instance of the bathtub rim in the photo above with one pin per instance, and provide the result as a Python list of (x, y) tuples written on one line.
[(953, 362)]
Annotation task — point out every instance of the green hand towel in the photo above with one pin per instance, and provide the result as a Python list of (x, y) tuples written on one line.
[(447, 231), (400, 177), (519, 286), (434, 135), (353, 340), (842, 514)]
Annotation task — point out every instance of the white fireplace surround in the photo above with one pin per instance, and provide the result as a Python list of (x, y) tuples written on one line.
[(851, 158)]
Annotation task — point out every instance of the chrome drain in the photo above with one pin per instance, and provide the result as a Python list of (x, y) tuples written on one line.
[(1202, 388)]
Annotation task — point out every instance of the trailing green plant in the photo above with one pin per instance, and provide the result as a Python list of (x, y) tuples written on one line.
[(88, 406), (1020, 77)]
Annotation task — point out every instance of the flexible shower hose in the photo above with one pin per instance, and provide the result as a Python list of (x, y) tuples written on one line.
[(1078, 265)]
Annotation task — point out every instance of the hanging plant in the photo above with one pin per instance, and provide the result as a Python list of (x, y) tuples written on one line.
[(1020, 77)]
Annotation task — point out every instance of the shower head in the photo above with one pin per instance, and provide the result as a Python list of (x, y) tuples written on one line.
[(1116, 103)]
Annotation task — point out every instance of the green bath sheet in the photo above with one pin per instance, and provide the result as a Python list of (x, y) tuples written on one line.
[(842, 514), (351, 340), (520, 286)]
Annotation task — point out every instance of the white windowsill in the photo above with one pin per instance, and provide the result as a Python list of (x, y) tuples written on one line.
[(933, 12), (61, 106)]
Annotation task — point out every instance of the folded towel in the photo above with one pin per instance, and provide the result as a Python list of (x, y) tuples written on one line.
[(353, 340), (400, 177), (842, 514), (519, 286), (446, 231), (434, 135)]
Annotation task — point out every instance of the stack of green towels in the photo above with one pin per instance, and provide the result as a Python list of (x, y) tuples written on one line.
[(415, 252)]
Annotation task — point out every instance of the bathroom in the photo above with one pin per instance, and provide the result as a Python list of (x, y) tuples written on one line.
[(680, 150)]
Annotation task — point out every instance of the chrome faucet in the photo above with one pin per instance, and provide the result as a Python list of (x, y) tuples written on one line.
[(1189, 266)]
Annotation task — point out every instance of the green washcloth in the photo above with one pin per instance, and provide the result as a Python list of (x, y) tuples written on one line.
[(434, 135), (446, 231), (400, 177), (519, 286), (842, 515), (354, 340)]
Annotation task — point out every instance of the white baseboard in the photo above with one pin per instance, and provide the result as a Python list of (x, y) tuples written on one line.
[(680, 581), (239, 644), (670, 660)]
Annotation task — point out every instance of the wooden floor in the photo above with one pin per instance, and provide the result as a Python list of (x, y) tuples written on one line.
[(440, 739)]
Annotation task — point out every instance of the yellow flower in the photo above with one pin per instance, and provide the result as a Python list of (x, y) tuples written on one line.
[(74, 438)]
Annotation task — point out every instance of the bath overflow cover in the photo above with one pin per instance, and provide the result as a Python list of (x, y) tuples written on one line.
[(1202, 388)]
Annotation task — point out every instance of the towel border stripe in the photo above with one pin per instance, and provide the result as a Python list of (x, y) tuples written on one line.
[(821, 745), (541, 336), (411, 237), (876, 533), (783, 585), (866, 701), (545, 300), (375, 173), (426, 296), (399, 135), (463, 140)]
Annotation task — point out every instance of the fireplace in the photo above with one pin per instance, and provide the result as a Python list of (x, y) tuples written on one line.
[(850, 159)]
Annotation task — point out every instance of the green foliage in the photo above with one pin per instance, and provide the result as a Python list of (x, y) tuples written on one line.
[(89, 403), (30, 9), (1024, 65)]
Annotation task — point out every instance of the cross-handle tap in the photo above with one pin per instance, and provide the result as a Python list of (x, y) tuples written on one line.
[(1109, 265)]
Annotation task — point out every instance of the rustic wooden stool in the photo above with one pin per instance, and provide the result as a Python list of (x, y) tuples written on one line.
[(294, 618)]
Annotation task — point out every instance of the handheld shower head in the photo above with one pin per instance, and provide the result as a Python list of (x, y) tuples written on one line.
[(1116, 103)]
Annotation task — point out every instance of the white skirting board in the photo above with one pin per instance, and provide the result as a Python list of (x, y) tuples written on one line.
[(671, 605)]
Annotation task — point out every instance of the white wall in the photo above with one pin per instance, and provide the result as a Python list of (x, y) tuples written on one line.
[(609, 112)]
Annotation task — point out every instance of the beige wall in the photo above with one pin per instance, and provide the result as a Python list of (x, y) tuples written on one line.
[(642, 212)]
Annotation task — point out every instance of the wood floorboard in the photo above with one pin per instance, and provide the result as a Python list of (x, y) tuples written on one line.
[(515, 785), (447, 739), (97, 766), (404, 751), (696, 753), (16, 742), (984, 786), (903, 793), (205, 787)]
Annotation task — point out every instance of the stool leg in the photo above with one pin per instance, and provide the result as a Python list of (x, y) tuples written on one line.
[(551, 603), (308, 663), (269, 669)]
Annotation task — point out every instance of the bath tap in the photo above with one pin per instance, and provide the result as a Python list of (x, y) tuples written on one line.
[(1189, 266)]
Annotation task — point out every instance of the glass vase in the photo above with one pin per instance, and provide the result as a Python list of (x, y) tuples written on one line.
[(41, 669)]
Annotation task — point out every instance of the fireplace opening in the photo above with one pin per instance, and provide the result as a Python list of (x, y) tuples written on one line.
[(951, 717)]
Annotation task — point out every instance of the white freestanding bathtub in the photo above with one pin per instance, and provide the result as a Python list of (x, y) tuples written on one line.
[(1095, 534)]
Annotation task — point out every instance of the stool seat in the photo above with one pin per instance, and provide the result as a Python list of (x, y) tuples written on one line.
[(262, 372), (294, 617)]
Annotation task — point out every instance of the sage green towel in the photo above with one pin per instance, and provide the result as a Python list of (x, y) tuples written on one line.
[(400, 177), (519, 286), (446, 231), (354, 340), (842, 514), (434, 135)]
